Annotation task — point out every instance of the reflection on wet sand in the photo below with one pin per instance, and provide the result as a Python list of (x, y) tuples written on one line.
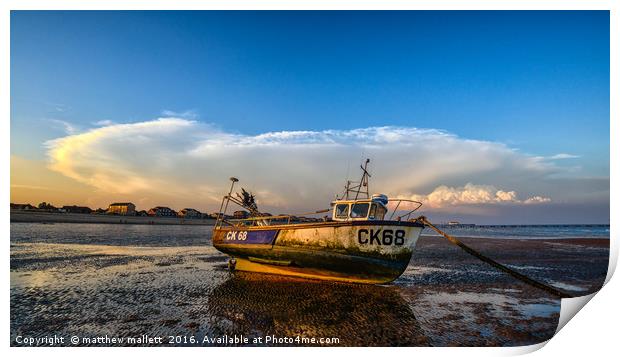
[(259, 305)]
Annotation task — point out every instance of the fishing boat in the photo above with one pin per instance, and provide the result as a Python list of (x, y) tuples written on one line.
[(358, 242)]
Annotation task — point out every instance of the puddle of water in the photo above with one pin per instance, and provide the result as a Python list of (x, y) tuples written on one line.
[(419, 270), (528, 267), (501, 306), (533, 310), (505, 290), (565, 286)]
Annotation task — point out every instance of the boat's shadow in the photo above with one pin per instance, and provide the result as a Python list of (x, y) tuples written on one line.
[(258, 305)]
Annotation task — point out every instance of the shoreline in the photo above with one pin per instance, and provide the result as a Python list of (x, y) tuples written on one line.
[(49, 217), (18, 216)]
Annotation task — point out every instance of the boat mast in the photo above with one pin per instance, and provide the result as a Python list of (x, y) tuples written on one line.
[(361, 187), (221, 214), (364, 180)]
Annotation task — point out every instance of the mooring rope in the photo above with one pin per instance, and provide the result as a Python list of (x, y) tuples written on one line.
[(492, 262)]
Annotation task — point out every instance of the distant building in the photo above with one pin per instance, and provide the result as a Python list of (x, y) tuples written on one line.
[(189, 213), (77, 209), (99, 211), (161, 211), (241, 214), (22, 206), (47, 206), (217, 216), (122, 208), (142, 213)]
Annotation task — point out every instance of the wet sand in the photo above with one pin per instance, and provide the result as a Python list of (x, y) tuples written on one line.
[(445, 298)]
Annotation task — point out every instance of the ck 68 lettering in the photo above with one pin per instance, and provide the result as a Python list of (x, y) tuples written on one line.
[(381, 236), (234, 235)]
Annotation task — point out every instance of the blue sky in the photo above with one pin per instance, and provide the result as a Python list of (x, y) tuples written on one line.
[(535, 81)]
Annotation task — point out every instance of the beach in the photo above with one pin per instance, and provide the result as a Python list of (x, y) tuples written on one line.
[(127, 281)]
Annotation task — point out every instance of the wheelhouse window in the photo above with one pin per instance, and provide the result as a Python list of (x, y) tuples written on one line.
[(359, 210), (342, 210), (377, 212), (373, 211)]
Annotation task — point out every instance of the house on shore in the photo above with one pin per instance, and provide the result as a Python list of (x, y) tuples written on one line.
[(241, 214), (122, 209), (217, 216), (44, 206), (161, 211), (77, 209), (190, 213), (22, 206)]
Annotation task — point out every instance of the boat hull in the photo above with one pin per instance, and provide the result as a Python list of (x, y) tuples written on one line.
[(362, 251)]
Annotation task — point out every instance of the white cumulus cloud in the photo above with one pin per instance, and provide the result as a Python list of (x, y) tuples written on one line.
[(563, 156), (537, 199), (65, 125), (190, 162), (472, 194)]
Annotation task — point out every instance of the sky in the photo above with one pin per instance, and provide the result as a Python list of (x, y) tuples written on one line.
[(484, 116)]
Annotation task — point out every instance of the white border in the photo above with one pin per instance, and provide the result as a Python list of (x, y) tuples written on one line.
[(310, 5), (591, 331)]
